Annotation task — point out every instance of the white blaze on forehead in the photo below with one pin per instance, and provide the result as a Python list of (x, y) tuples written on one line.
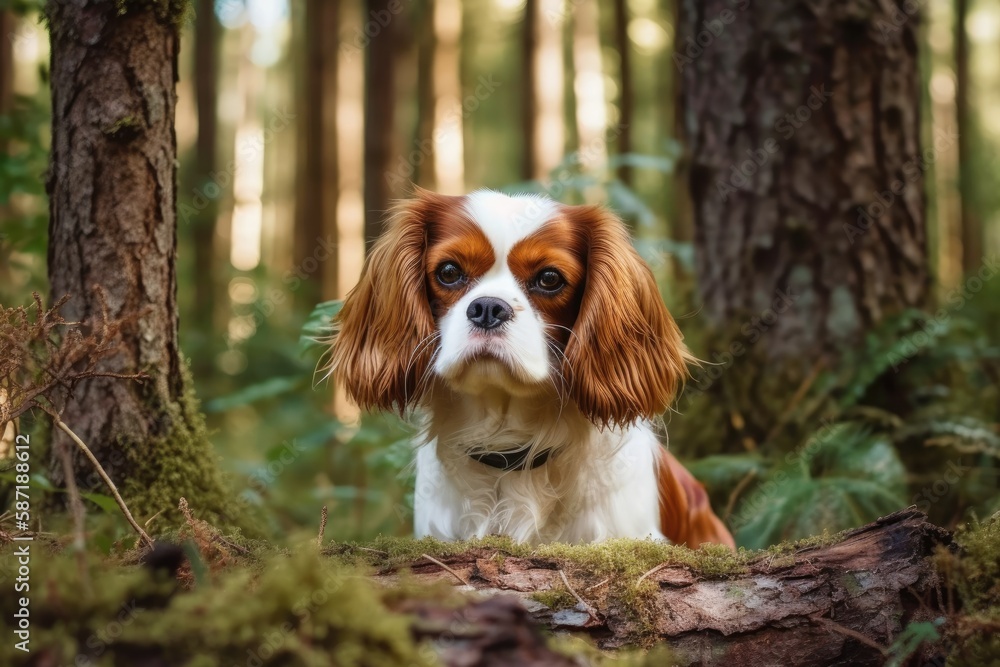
[(506, 219)]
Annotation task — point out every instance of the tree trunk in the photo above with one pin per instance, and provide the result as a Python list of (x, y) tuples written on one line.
[(972, 229), (837, 604), (380, 101), (806, 178), (316, 208), (113, 228), (626, 94)]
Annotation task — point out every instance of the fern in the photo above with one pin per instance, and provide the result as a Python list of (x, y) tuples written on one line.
[(840, 478)]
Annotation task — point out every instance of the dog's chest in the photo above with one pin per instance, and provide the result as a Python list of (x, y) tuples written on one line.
[(585, 491)]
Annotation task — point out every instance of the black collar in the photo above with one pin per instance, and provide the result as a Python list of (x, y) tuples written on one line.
[(515, 460)]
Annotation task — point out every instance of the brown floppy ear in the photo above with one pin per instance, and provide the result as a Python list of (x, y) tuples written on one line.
[(381, 350), (626, 356)]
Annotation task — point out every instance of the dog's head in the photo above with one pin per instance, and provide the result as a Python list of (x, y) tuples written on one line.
[(517, 294)]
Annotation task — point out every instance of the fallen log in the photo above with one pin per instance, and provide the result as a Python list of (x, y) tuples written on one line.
[(839, 603)]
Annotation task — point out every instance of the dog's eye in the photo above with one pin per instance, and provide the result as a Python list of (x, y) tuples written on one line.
[(549, 280), (449, 274)]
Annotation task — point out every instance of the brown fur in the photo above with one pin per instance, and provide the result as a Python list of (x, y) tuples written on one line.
[(626, 359), (686, 516), (382, 351)]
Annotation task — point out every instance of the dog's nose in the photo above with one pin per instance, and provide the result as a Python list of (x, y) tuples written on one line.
[(489, 312)]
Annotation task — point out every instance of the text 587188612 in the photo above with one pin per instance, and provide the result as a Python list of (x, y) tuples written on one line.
[(22, 519)]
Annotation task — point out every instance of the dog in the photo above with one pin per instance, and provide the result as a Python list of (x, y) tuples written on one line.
[(532, 338)]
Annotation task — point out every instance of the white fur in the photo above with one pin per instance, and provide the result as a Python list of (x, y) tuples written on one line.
[(595, 484)]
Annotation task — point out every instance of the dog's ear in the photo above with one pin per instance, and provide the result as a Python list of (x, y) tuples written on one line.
[(626, 356), (381, 350)]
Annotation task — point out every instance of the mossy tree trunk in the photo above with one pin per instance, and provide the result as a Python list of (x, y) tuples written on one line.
[(806, 177), (113, 226)]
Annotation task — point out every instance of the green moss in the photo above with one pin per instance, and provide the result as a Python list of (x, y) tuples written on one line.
[(180, 463), (975, 573), (555, 599), (303, 610), (123, 126)]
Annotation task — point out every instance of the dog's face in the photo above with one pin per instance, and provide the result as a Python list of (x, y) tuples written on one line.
[(521, 295)]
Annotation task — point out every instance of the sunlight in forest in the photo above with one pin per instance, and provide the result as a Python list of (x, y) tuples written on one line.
[(648, 35), (549, 68)]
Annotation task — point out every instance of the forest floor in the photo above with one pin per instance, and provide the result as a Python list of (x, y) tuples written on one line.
[(200, 597)]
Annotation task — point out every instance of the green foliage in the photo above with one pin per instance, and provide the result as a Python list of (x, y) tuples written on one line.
[(910, 640), (843, 477), (24, 230)]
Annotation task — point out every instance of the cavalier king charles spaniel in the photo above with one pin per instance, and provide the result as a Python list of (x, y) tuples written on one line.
[(533, 340)]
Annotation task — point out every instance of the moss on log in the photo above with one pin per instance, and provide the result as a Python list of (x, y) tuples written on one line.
[(223, 599), (842, 602)]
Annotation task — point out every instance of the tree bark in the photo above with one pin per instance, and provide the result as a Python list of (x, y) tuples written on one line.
[(819, 605), (113, 228), (806, 178), (380, 101)]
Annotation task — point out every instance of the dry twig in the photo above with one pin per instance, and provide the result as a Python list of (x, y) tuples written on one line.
[(104, 476), (322, 528), (440, 564), (586, 605)]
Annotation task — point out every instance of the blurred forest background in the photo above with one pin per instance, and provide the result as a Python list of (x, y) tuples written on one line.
[(298, 122)]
